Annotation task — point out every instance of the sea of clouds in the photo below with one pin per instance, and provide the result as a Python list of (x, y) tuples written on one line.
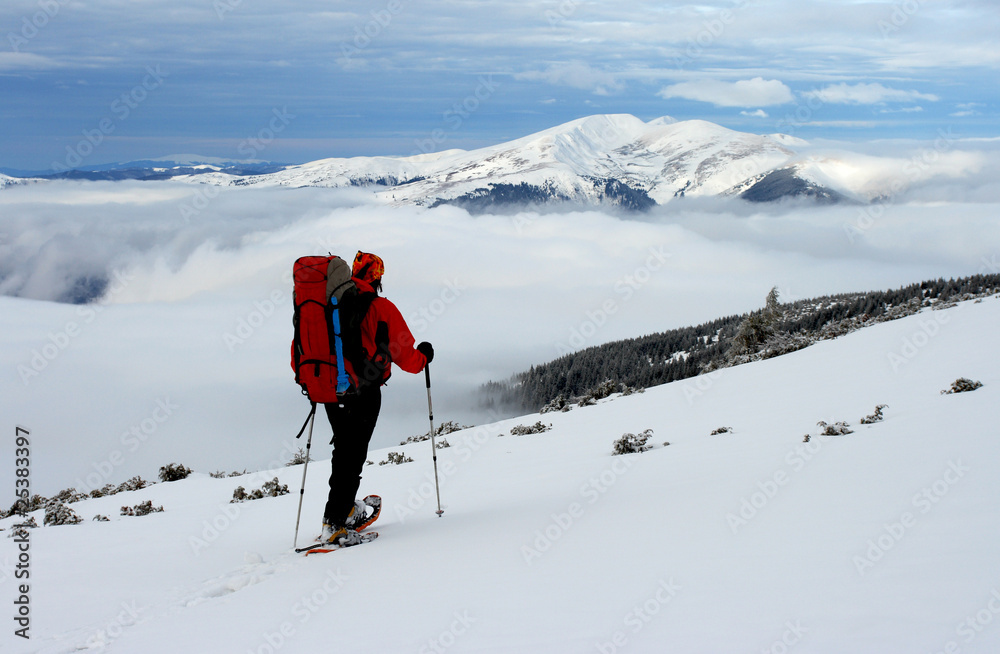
[(149, 323)]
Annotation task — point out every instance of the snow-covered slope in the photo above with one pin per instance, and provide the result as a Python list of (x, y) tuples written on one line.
[(880, 541)]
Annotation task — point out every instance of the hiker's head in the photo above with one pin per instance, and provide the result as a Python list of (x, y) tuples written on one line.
[(368, 267)]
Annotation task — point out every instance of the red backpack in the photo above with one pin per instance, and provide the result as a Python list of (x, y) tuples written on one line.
[(327, 354)]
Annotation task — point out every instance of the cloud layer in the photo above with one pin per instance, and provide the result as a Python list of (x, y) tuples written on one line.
[(197, 312)]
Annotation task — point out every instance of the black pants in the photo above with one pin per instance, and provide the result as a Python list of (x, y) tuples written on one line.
[(353, 424)]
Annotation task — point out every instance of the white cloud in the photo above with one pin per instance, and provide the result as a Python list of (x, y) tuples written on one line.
[(965, 109), (578, 75), (760, 113), (756, 92), (863, 93)]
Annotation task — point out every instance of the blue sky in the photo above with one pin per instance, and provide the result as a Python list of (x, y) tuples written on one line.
[(115, 80)]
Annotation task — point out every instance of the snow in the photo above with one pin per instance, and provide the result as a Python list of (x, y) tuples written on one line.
[(880, 541)]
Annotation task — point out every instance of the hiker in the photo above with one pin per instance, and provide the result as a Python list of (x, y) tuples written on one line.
[(386, 339)]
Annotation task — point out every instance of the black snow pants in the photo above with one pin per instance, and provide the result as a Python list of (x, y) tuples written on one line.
[(353, 423)]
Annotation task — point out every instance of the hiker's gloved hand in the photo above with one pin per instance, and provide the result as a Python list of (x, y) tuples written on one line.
[(427, 350)]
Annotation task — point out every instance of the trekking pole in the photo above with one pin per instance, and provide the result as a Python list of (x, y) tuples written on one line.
[(430, 414), (305, 469)]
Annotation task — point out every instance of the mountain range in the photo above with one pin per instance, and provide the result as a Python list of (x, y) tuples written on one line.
[(613, 159), (604, 159)]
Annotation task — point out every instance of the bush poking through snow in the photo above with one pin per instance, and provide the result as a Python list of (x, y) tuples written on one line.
[(875, 417), (558, 403), (133, 484), (836, 429), (447, 427), (20, 530), (68, 496), (108, 489), (632, 443), (962, 385), (58, 513), (605, 389), (443, 444), (174, 472), (395, 458), (101, 518), (722, 430), (524, 430), (145, 508), (298, 458), (272, 488)]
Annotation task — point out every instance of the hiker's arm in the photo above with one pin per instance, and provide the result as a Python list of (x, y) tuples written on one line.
[(401, 341)]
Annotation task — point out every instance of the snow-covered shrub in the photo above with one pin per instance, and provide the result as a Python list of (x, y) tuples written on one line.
[(962, 385), (58, 513), (722, 430), (133, 484), (605, 389), (174, 472), (23, 506), (875, 417), (144, 508), (20, 530), (395, 458), (101, 518), (274, 488), (836, 429), (299, 458), (633, 443), (523, 430), (68, 496), (236, 473), (218, 474), (369, 462), (443, 444), (108, 489), (447, 427), (271, 488), (559, 403), (629, 390)]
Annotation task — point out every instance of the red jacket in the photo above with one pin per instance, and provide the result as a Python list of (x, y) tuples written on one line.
[(401, 341)]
